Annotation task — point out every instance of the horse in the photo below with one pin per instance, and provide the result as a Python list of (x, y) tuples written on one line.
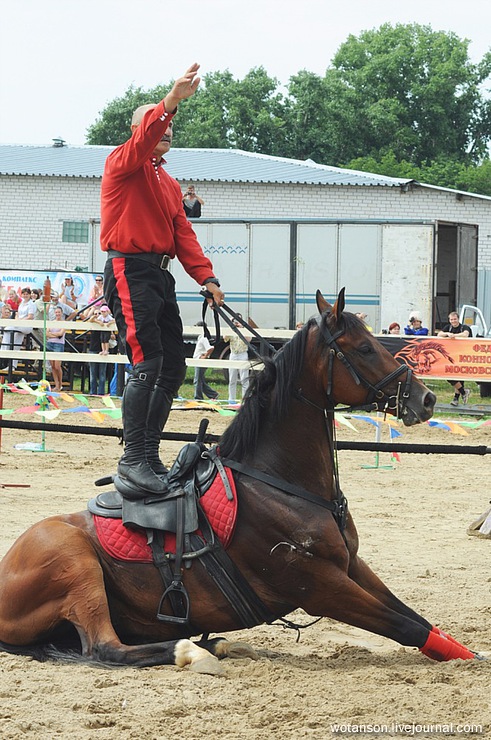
[(295, 544)]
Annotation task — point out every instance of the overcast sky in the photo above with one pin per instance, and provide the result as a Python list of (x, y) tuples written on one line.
[(62, 61)]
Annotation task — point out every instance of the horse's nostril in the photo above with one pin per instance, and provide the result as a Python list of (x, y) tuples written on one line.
[(430, 399)]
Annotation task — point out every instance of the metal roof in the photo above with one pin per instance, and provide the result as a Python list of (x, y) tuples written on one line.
[(212, 165)]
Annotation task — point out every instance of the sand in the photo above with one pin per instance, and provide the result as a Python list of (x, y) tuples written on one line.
[(412, 522)]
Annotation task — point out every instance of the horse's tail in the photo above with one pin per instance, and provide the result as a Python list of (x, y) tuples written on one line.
[(36, 652), (63, 653)]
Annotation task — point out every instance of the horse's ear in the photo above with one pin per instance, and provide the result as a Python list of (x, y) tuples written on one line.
[(322, 304), (338, 307)]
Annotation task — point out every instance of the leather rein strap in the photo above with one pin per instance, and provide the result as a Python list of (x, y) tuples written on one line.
[(222, 311)]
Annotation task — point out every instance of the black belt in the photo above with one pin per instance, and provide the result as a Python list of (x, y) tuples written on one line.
[(159, 260)]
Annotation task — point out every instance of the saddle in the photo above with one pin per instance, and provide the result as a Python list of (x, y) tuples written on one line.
[(190, 476), (177, 511)]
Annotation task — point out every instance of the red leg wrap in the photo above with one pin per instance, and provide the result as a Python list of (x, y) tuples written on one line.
[(445, 634), (439, 647)]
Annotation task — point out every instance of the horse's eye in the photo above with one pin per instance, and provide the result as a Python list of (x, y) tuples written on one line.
[(365, 349)]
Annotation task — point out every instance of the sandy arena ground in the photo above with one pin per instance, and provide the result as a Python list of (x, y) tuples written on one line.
[(412, 523)]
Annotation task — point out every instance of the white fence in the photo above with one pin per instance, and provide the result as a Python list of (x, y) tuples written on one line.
[(189, 331)]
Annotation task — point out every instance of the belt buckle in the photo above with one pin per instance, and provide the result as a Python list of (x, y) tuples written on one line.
[(164, 262)]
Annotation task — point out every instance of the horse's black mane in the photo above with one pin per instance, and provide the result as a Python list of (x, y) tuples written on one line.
[(280, 374)]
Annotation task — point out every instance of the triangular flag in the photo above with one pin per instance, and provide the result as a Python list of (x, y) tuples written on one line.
[(49, 414), (343, 420), (108, 401)]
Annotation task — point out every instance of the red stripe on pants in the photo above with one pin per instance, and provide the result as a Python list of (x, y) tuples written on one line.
[(123, 289)]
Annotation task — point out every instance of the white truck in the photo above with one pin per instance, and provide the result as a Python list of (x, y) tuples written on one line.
[(474, 318), (271, 269)]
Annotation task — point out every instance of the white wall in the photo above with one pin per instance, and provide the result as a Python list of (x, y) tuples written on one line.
[(32, 210)]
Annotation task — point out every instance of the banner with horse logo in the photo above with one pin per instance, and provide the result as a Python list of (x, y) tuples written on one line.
[(442, 357)]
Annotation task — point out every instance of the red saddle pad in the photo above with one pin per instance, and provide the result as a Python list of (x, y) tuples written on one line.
[(123, 543)]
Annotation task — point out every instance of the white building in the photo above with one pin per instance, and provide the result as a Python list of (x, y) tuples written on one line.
[(295, 222)]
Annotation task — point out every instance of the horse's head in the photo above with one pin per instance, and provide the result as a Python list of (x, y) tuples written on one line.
[(361, 373)]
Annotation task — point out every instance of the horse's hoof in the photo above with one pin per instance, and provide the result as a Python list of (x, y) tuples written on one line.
[(226, 649), (209, 665)]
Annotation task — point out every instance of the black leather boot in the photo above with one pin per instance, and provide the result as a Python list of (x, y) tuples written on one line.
[(133, 465), (158, 413)]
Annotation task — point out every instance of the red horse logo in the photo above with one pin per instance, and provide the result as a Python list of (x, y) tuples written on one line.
[(422, 355)]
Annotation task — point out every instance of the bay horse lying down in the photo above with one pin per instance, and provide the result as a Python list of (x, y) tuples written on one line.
[(295, 543)]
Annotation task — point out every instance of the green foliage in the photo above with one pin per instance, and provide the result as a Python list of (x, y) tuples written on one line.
[(403, 100), (410, 91), (113, 125), (445, 173)]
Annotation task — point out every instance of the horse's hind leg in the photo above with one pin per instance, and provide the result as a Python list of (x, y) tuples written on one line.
[(52, 575)]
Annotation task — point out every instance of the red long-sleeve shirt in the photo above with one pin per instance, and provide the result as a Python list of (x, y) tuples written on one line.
[(141, 204)]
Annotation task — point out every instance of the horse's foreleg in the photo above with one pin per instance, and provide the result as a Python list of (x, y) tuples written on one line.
[(353, 605), (364, 576)]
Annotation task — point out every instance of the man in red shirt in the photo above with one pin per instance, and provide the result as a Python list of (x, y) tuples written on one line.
[(143, 226)]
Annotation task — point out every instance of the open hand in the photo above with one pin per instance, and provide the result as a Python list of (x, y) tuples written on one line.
[(183, 88)]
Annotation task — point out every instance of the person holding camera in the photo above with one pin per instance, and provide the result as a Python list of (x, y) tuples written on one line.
[(192, 203)]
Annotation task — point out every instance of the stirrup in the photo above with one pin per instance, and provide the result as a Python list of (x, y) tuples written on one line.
[(176, 587)]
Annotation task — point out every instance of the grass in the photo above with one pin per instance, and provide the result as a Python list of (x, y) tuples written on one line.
[(444, 393)]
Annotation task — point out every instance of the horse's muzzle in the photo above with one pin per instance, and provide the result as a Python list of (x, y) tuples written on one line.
[(418, 409)]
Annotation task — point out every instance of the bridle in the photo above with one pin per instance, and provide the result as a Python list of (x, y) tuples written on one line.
[(377, 399)]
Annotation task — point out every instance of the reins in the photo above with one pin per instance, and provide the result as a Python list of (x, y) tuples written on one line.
[(222, 311), (338, 505)]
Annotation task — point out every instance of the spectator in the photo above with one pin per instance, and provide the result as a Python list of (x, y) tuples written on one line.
[(415, 326), (55, 342), (13, 301), (105, 318), (97, 370), (67, 311), (38, 314), (26, 310), (238, 351), (7, 333), (143, 226), (202, 351), (96, 297), (67, 292), (192, 203), (363, 317), (3, 293), (394, 328), (453, 330)]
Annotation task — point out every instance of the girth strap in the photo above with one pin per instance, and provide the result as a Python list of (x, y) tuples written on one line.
[(250, 609)]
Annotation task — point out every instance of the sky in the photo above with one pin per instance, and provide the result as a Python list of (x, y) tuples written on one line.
[(62, 61)]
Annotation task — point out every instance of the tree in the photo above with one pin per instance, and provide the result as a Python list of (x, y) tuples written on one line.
[(223, 113), (398, 94), (443, 172), (113, 125), (408, 90)]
